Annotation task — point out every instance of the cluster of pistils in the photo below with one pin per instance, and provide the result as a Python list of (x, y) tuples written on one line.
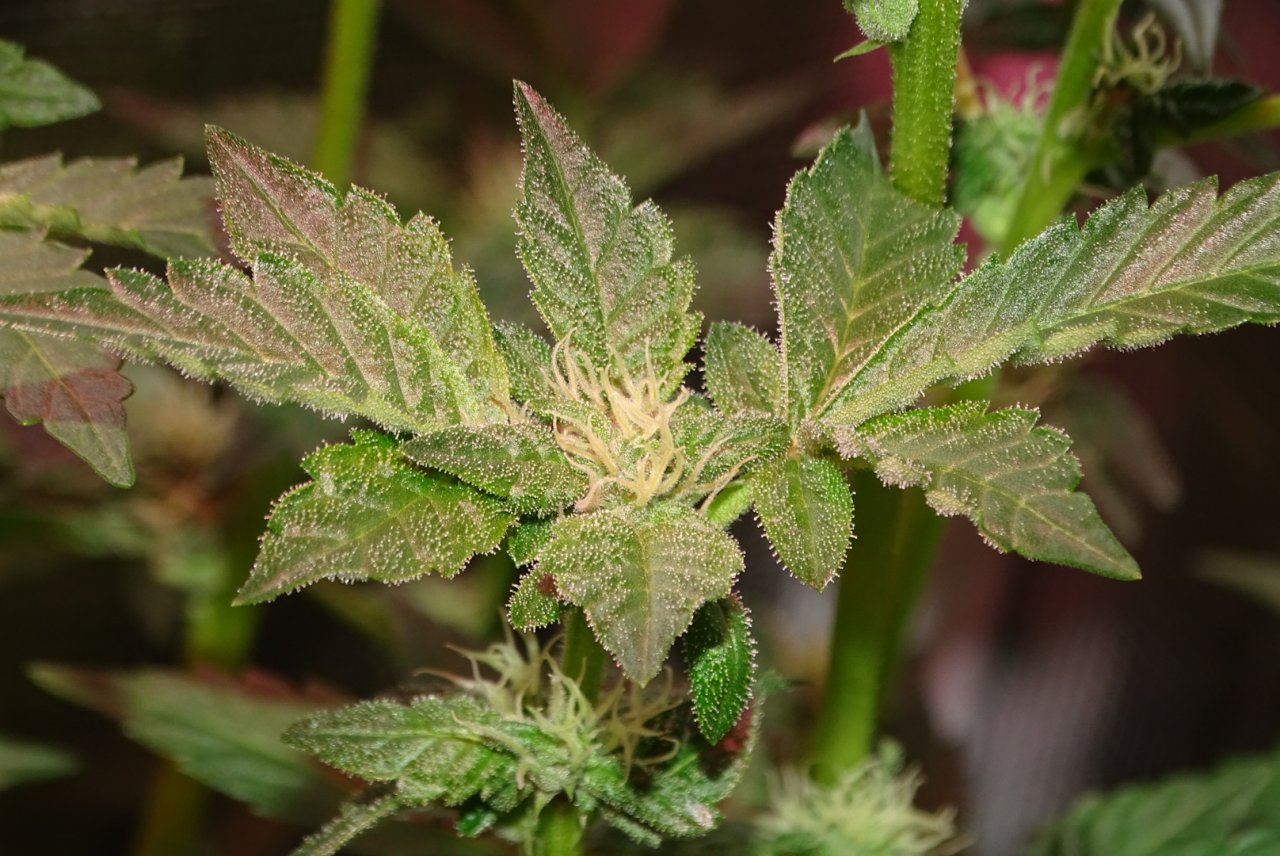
[(627, 715), (639, 416), (1144, 62)]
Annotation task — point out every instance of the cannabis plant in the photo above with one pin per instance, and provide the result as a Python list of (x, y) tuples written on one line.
[(594, 460)]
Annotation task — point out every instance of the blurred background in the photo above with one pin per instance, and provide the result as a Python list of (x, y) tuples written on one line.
[(1024, 684)]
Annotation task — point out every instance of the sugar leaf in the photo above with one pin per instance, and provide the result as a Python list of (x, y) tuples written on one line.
[(639, 575), (743, 370), (1134, 276), (368, 514), (111, 201), (602, 270), (1014, 480), (520, 463), (720, 655), (271, 205), (528, 359), (806, 510), (526, 539), (531, 606), (853, 259), (32, 92), (430, 748)]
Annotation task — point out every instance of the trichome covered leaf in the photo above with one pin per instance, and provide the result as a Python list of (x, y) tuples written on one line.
[(520, 463), (369, 515), (721, 659), (602, 269), (1133, 276), (639, 575), (853, 259), (1015, 480), (884, 20), (743, 370), (358, 316), (806, 510)]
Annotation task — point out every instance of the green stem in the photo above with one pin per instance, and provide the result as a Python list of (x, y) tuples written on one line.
[(174, 813), (559, 831), (897, 533), (1062, 159), (353, 27), (881, 581), (924, 80), (583, 658)]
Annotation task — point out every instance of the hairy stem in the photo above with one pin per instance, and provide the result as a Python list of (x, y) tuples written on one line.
[(559, 831), (897, 533), (353, 27), (1061, 159), (924, 78), (881, 581), (583, 658)]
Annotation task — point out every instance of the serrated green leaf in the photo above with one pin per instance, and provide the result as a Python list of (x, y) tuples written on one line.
[(532, 605), (639, 575), (743, 369), (720, 656), (430, 748), (528, 359), (368, 514), (356, 816), (884, 20), (1231, 811), (521, 463), (853, 259), (112, 201), (222, 734), (271, 205), (1014, 480), (70, 386), (806, 510), (281, 335), (860, 49), (33, 92), (23, 761), (527, 539), (602, 270), (1133, 276)]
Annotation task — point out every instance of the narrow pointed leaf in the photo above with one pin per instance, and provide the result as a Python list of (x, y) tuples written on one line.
[(369, 515), (806, 510), (430, 748), (884, 20), (1135, 275), (743, 370), (602, 270), (280, 335), (1014, 480), (112, 201), (70, 386), (720, 655), (271, 205), (533, 603), (853, 259), (520, 463), (357, 816), (639, 576), (32, 92)]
